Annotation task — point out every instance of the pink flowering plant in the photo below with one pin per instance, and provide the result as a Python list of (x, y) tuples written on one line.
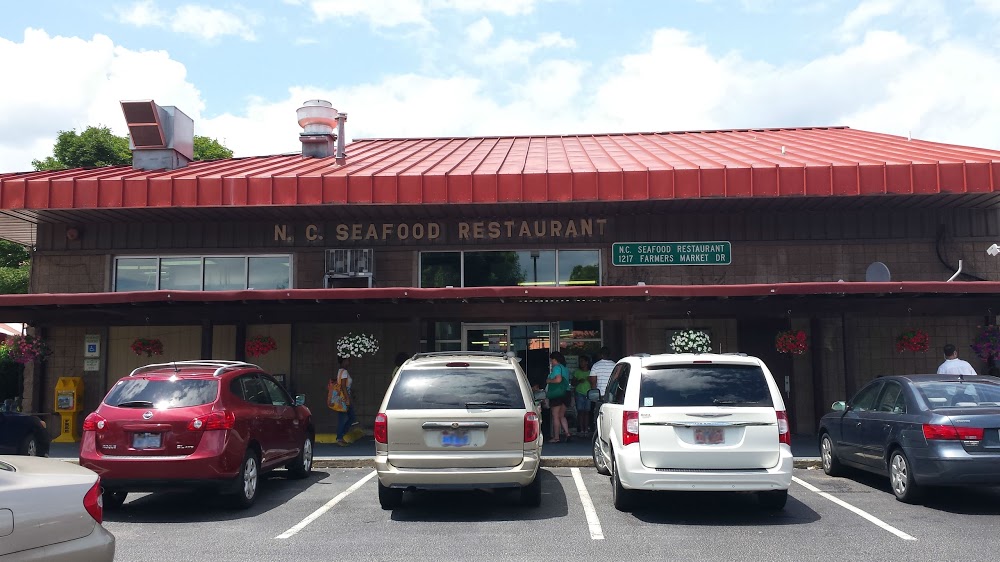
[(27, 349), (987, 343)]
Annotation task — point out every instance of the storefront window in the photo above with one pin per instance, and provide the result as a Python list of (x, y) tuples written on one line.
[(225, 274), (269, 273), (579, 338), (180, 274), (440, 269), (579, 267), (135, 274), (507, 269)]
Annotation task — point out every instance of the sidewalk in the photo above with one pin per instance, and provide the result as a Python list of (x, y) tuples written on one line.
[(575, 453)]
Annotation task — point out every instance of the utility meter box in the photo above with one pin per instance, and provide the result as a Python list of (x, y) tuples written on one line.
[(69, 400)]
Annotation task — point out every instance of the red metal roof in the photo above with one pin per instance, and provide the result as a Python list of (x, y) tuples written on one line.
[(404, 294), (819, 162)]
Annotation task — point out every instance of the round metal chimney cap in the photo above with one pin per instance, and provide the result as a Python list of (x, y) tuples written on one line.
[(317, 116)]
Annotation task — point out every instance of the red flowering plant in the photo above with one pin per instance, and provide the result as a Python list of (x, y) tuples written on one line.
[(913, 340), (27, 349), (792, 342), (149, 346), (987, 343), (260, 345)]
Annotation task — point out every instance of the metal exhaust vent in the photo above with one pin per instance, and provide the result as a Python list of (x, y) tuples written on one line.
[(161, 137), (144, 126)]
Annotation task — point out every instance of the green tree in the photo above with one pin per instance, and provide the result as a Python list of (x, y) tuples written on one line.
[(14, 268), (98, 146)]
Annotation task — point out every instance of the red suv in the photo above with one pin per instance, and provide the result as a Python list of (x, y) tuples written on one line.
[(193, 424)]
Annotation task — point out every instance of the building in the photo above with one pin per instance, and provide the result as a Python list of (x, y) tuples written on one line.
[(483, 243)]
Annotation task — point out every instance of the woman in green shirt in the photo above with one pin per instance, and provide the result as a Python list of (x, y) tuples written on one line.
[(581, 382)]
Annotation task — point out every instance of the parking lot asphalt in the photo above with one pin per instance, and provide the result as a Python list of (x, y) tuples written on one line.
[(335, 515)]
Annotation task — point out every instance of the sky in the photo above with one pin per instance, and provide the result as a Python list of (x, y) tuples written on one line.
[(424, 68)]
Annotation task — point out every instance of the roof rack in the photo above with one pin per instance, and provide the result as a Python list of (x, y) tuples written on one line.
[(498, 354), (220, 366), (640, 355)]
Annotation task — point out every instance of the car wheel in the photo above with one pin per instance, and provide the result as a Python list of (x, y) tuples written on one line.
[(831, 464), (29, 446), (247, 481), (599, 464), (302, 465), (901, 478), (624, 499), (773, 499), (113, 499), (389, 498), (531, 495)]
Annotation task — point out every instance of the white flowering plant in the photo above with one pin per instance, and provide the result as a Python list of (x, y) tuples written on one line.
[(357, 345), (690, 341)]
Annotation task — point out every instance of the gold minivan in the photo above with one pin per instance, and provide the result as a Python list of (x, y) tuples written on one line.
[(458, 421)]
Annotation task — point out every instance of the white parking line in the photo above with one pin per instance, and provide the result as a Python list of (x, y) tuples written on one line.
[(329, 505), (878, 522), (588, 506)]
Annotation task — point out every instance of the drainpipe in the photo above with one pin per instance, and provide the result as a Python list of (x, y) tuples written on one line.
[(957, 273)]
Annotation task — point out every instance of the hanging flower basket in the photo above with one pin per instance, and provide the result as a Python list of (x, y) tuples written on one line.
[(792, 342), (27, 349), (149, 346), (690, 341), (987, 343), (913, 340), (260, 345), (357, 345)]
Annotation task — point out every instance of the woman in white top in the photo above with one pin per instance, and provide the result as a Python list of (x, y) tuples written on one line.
[(345, 419)]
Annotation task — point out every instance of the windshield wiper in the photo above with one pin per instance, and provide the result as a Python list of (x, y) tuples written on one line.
[(135, 404), (487, 404)]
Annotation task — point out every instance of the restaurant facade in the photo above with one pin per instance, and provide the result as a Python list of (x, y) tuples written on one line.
[(528, 244)]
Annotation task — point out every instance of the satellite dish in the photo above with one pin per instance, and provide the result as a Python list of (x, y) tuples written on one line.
[(877, 272)]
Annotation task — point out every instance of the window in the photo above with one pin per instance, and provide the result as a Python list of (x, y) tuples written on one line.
[(704, 385), (432, 389), (278, 395), (162, 393), (198, 273), (580, 338), (254, 391), (622, 386), (509, 268), (955, 394), (892, 399), (613, 382), (864, 401)]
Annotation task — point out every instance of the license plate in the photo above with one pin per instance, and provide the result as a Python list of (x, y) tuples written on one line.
[(455, 438), (709, 435), (147, 441)]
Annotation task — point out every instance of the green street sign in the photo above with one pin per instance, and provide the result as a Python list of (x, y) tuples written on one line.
[(671, 253)]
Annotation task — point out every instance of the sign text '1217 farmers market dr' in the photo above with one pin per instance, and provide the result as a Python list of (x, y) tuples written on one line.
[(671, 253)]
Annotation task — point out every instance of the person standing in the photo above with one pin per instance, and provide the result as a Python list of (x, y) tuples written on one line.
[(559, 395), (953, 365), (341, 384), (581, 384), (601, 371)]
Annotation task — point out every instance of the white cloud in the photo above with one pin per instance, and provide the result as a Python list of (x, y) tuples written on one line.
[(511, 51), (394, 13), (191, 19), (480, 31), (929, 17)]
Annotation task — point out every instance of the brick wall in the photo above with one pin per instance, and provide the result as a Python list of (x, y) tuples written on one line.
[(69, 273)]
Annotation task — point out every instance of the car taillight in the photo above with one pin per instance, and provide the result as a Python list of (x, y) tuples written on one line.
[(784, 433), (630, 427), (221, 419), (93, 422), (93, 502), (530, 427), (952, 433), (381, 429)]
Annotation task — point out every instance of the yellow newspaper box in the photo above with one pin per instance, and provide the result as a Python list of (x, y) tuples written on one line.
[(69, 398)]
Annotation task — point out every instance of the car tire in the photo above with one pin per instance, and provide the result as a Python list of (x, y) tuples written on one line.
[(831, 464), (389, 498), (904, 487), (29, 446), (302, 465), (248, 481), (773, 499), (599, 464), (113, 499), (624, 499), (531, 495)]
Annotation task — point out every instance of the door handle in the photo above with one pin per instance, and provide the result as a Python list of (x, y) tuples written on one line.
[(859, 424)]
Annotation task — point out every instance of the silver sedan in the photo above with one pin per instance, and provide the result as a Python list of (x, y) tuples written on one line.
[(51, 510)]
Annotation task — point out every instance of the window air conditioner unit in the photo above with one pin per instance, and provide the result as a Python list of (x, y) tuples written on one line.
[(349, 263)]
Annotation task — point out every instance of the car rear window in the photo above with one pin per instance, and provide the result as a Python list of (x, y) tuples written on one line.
[(959, 394), (162, 393), (704, 385), (429, 389)]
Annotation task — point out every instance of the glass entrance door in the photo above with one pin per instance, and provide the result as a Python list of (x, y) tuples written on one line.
[(486, 337)]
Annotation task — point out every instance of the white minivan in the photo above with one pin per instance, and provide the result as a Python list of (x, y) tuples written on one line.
[(693, 422)]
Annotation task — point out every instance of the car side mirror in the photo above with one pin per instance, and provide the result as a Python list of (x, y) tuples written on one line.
[(594, 395), (839, 406), (300, 399)]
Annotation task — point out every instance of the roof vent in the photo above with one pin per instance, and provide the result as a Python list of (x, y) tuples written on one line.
[(161, 138), (318, 119)]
